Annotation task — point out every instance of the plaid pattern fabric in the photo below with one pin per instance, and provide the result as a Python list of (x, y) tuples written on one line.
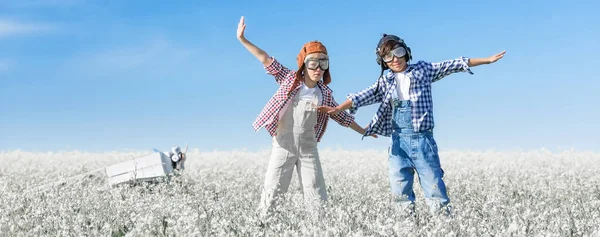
[(269, 116), (421, 75)]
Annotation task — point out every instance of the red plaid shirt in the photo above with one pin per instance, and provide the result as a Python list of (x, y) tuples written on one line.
[(269, 116)]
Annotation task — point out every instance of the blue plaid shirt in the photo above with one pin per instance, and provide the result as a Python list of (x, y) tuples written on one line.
[(421, 75)]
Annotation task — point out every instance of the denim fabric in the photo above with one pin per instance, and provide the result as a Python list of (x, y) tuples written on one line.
[(414, 151)]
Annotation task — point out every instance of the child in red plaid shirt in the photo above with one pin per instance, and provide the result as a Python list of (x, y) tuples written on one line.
[(296, 119)]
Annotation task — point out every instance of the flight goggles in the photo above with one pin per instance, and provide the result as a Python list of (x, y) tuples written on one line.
[(314, 63), (398, 52)]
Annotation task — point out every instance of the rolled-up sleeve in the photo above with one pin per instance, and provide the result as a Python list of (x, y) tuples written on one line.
[(371, 95), (439, 70), (280, 72)]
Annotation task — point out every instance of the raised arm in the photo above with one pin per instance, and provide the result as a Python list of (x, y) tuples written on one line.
[(260, 54), (272, 65)]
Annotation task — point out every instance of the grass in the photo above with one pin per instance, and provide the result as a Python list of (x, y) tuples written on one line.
[(535, 193)]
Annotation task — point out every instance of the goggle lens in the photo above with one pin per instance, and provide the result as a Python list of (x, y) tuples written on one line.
[(313, 64), (398, 52)]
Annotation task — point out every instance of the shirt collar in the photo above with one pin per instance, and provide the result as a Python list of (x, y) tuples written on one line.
[(322, 86)]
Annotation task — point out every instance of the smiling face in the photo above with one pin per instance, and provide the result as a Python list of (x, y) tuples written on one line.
[(398, 64), (394, 56)]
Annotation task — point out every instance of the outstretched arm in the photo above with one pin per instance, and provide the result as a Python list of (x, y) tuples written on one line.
[(360, 129), (335, 110), (260, 54), (371, 95), (473, 62), (439, 70), (344, 118)]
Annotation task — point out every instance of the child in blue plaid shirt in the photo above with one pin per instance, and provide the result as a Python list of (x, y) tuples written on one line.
[(406, 114)]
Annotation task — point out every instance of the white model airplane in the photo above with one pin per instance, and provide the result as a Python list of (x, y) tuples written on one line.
[(152, 167), (157, 166)]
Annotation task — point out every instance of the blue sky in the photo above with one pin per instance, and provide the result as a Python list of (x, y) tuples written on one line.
[(119, 75)]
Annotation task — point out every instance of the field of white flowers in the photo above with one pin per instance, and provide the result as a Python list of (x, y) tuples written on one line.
[(535, 193)]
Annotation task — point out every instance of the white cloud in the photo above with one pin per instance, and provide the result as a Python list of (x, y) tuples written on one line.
[(153, 57), (138, 56), (12, 28), (40, 3)]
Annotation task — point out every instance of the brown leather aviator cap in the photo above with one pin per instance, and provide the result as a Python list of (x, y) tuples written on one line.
[(308, 48)]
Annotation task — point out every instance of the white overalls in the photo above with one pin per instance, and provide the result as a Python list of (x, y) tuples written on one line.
[(295, 145)]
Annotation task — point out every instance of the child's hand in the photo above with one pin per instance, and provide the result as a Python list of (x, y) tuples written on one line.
[(496, 57), (329, 110), (365, 130), (241, 28)]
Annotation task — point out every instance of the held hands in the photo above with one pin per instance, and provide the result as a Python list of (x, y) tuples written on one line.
[(495, 57), (241, 28)]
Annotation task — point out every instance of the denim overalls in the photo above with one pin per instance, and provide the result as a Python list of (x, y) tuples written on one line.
[(410, 151)]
